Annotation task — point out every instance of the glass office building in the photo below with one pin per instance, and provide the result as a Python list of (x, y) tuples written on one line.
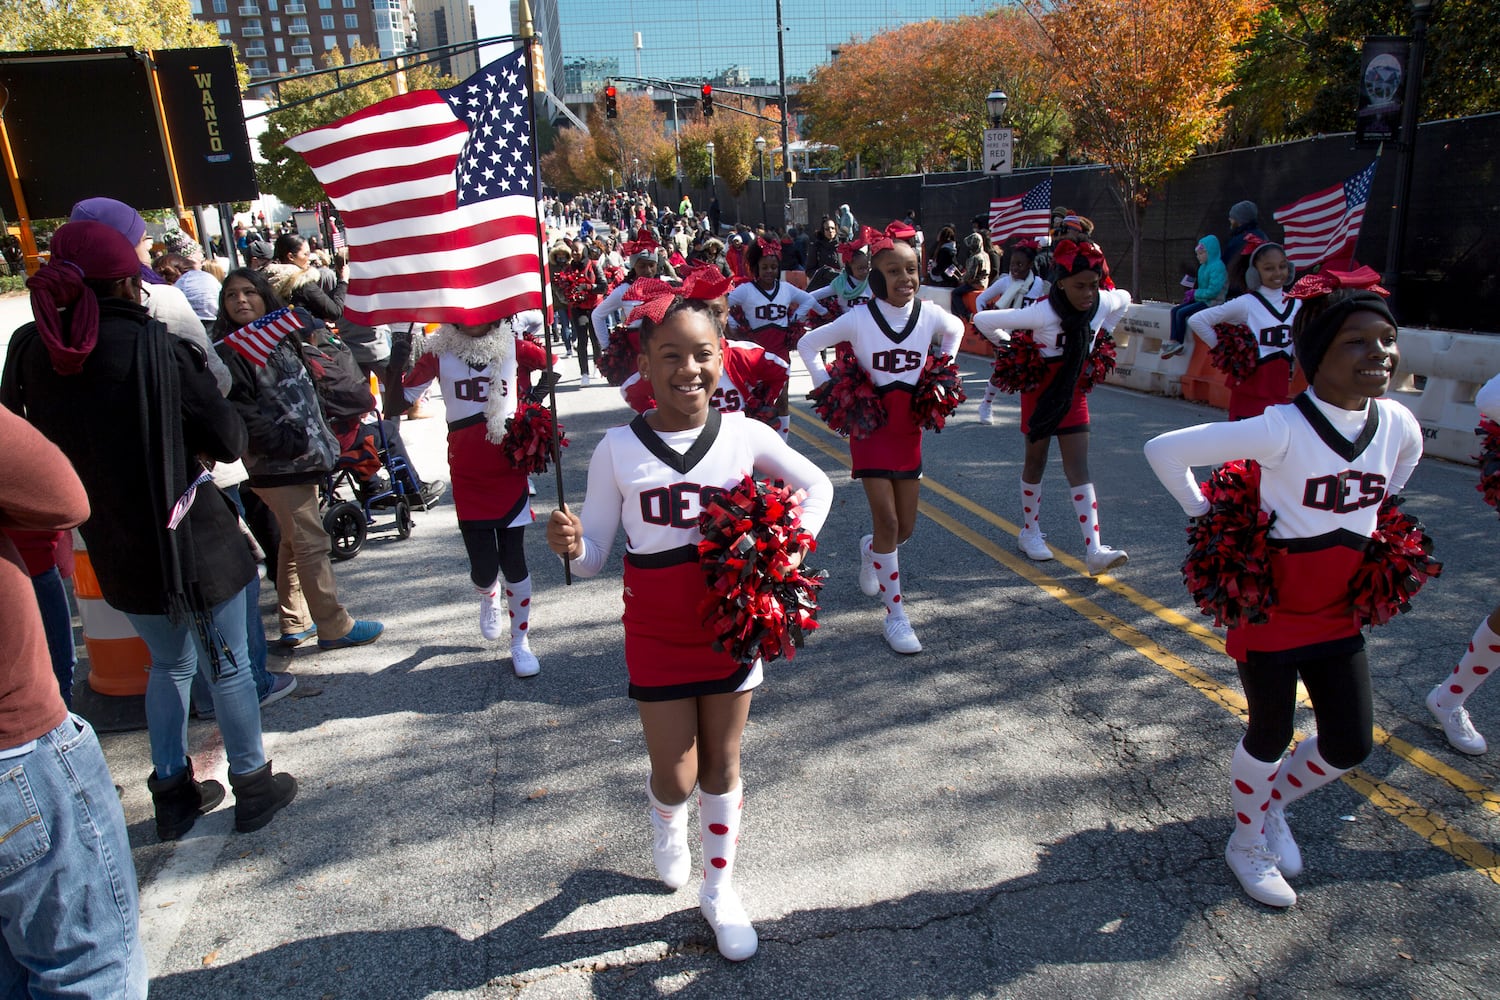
[(732, 42)]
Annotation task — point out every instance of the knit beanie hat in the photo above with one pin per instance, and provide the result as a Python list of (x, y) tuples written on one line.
[(80, 250), (1244, 212)]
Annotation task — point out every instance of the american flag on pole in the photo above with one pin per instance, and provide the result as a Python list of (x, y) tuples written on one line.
[(1326, 223), (1026, 214), (438, 193), (256, 341)]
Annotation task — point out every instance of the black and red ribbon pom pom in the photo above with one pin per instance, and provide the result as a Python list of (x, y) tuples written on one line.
[(1489, 461), (529, 435), (847, 402), (939, 390), (1228, 565), (620, 358), (1019, 367), (1236, 354), (1397, 564), (1100, 362)]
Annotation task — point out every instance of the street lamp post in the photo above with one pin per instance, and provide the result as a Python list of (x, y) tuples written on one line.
[(611, 177), (1405, 152), (709, 146), (760, 148)]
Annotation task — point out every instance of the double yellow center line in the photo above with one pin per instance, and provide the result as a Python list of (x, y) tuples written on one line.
[(1426, 823)]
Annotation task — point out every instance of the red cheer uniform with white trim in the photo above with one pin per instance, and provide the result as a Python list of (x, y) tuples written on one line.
[(656, 483), (748, 369), (1268, 314), (891, 345)]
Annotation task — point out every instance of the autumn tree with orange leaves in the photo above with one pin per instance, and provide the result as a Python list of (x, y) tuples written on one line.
[(912, 98), (632, 145), (1144, 80)]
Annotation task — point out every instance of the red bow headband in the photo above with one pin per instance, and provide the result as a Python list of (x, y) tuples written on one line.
[(899, 230), (1251, 244), (705, 283), (1027, 243), (1070, 257), (848, 250), (1310, 286), (768, 247), (645, 244), (655, 297)]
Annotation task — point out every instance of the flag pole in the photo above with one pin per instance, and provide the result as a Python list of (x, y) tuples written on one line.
[(538, 83)]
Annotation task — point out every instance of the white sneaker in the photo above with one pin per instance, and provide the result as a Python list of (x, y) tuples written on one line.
[(869, 580), (669, 847), (1280, 843), (1031, 542), (899, 635), (986, 412), (523, 661), (583, 380), (1462, 735), (491, 608), (1255, 867), (726, 915), (1104, 558)]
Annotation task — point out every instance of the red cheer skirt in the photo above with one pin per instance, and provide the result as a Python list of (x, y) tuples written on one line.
[(488, 490), (669, 652), (1268, 387), (1077, 418), (1313, 603), (894, 451)]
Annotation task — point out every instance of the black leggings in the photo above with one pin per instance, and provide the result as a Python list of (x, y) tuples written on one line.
[(583, 336), (493, 551), (1339, 687)]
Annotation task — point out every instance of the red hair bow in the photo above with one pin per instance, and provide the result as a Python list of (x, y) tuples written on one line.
[(655, 297), (645, 244), (1070, 257), (1026, 243), (768, 247), (848, 250), (899, 230), (705, 283), (1251, 242), (1310, 286)]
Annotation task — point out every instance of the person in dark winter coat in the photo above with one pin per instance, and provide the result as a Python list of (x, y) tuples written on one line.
[(298, 282), (1244, 222), (134, 410)]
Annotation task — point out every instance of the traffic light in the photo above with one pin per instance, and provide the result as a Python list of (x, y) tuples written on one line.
[(708, 101), (611, 107)]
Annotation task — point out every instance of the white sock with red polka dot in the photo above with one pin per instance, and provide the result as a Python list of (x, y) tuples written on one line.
[(784, 424), (990, 392), (518, 599), (1478, 663), (1031, 505), (888, 572), (1303, 772), (1087, 507), (719, 821), (1250, 784)]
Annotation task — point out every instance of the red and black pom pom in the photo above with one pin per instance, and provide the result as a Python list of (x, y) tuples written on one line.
[(1236, 353), (620, 358), (1228, 565), (1100, 362), (795, 331), (1489, 461), (1020, 366), (759, 606), (737, 320), (835, 307), (576, 286), (847, 402), (529, 436), (939, 390), (1397, 563), (760, 404)]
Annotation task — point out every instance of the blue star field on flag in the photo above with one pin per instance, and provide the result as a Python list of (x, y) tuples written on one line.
[(497, 158)]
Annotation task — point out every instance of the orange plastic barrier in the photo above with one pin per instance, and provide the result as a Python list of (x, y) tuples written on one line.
[(118, 658)]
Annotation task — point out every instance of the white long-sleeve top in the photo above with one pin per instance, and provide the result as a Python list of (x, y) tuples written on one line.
[(1312, 486), (1044, 323), (1488, 399), (626, 478), (885, 354), (1036, 291), (617, 299), (782, 306), (1267, 312)]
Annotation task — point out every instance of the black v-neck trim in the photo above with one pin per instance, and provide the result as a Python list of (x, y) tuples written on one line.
[(885, 328), (681, 463), (1287, 305), (771, 295), (1336, 442)]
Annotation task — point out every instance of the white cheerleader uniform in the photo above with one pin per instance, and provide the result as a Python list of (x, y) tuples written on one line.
[(748, 369), (1268, 313), (657, 483), (769, 315)]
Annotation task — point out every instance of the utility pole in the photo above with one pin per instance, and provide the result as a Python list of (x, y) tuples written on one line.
[(786, 131)]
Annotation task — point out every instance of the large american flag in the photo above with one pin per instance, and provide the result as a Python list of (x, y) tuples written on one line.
[(1325, 224), (438, 193), (1027, 214)]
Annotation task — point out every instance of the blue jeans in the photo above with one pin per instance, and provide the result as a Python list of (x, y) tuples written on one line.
[(67, 882), (255, 630), (176, 651), (1180, 316), (57, 620)]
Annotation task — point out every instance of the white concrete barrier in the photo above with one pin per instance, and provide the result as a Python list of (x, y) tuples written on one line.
[(1439, 376), (1138, 338)]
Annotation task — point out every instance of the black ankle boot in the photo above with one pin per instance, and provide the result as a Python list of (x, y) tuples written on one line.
[(180, 800), (259, 795)]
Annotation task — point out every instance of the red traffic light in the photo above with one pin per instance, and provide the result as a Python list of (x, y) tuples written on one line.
[(708, 90), (611, 107), (609, 91), (708, 100)]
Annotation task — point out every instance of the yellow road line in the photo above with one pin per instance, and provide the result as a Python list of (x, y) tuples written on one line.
[(1425, 823)]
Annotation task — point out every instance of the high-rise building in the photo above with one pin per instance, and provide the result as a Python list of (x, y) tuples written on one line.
[(545, 22), (692, 40), (280, 37), (446, 22)]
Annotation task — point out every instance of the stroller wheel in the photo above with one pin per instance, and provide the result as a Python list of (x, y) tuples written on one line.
[(403, 519), (345, 524)]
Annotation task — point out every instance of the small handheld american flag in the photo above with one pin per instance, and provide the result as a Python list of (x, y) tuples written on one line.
[(256, 340)]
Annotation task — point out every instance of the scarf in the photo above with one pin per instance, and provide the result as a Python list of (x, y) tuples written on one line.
[(1076, 340), (65, 308)]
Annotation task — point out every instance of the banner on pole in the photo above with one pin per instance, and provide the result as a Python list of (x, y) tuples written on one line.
[(1382, 89)]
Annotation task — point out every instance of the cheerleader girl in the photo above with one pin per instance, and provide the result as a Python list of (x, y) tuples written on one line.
[(1018, 288), (1327, 461), (653, 475), (765, 310), (890, 336), (1066, 326), (851, 287), (477, 367), (1446, 701), (643, 264), (1268, 313)]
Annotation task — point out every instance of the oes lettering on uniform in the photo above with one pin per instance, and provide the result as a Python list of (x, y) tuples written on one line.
[(474, 390), (896, 362), (1276, 336), (726, 400), (677, 506), (1345, 492), (771, 312)]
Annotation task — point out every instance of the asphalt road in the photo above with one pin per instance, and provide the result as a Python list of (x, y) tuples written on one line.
[(1035, 806)]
